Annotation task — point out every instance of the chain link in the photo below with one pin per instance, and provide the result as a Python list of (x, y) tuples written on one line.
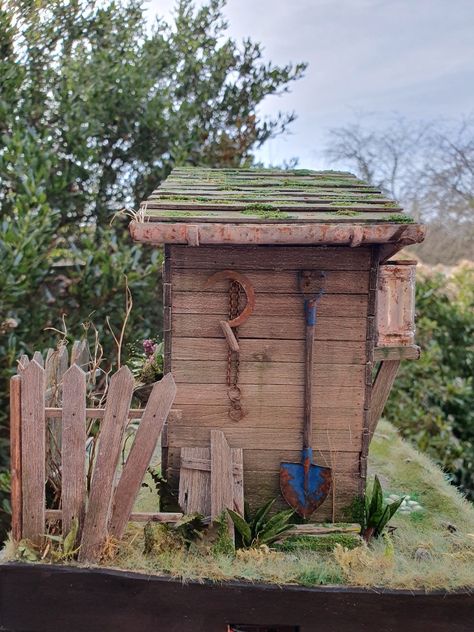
[(234, 394)]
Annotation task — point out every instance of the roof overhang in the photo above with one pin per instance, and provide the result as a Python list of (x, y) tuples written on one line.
[(315, 234)]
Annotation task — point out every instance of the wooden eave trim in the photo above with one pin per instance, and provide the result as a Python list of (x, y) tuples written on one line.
[(195, 233)]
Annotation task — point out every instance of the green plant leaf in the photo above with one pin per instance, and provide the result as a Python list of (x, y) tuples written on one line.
[(70, 538), (260, 514), (242, 526)]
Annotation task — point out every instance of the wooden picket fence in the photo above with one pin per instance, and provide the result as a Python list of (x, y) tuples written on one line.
[(107, 508)]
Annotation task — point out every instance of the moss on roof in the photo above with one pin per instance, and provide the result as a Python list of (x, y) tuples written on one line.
[(265, 195)]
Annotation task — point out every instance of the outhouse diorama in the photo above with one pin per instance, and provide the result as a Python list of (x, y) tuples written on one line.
[(285, 320)]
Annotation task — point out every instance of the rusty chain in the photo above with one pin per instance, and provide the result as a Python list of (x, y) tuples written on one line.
[(234, 394)]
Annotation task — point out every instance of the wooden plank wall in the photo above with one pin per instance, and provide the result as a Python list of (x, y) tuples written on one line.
[(271, 362)]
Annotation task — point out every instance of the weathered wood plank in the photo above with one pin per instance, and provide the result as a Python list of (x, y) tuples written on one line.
[(346, 440), (268, 417), (15, 456), (238, 480), (257, 396), (285, 282), (267, 350), (214, 372), (383, 383), (119, 397), (268, 460), (330, 305), (33, 457), (277, 327), (23, 362), (141, 452), (411, 352), (222, 480), (270, 258), (73, 448), (38, 357), (195, 485)]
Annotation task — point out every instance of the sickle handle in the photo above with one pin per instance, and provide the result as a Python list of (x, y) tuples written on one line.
[(229, 335)]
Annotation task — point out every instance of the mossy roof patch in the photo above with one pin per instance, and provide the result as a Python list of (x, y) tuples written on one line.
[(266, 194)]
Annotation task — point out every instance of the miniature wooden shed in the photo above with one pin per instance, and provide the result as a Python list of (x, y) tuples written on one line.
[(274, 228)]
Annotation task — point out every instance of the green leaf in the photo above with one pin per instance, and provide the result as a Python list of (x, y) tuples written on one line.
[(242, 527), (260, 516), (70, 538)]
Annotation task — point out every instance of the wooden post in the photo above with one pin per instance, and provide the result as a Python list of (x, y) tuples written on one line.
[(156, 412), (119, 397), (73, 447), (383, 383), (33, 456), (15, 455)]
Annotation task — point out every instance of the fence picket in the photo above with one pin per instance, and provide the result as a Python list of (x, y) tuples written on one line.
[(33, 451), (119, 398), (73, 447), (38, 357), (15, 455), (149, 430)]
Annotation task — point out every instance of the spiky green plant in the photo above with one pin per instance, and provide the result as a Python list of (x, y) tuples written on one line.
[(377, 513), (252, 531)]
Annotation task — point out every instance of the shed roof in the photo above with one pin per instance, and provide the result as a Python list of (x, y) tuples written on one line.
[(261, 206)]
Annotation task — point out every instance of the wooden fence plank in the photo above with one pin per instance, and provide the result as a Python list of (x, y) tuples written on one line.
[(23, 362), (149, 430), (33, 452), (267, 350), (195, 484), (15, 456), (73, 447), (38, 357), (383, 383), (222, 479), (119, 397)]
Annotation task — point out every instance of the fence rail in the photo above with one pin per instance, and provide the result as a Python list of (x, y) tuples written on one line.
[(49, 419)]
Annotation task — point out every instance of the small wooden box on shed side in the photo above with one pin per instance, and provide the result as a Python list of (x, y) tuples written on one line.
[(270, 226)]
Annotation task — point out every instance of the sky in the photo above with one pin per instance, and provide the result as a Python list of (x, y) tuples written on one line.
[(414, 58)]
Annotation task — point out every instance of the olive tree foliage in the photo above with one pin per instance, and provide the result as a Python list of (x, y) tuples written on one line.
[(96, 107), (427, 166)]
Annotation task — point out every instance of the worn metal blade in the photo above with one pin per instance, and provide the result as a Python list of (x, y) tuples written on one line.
[(305, 496)]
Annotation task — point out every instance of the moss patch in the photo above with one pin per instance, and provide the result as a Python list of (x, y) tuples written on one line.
[(399, 218)]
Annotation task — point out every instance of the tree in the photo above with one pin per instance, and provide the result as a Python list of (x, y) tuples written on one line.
[(95, 109), (428, 167)]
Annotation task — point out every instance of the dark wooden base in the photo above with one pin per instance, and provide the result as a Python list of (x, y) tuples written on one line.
[(41, 598)]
